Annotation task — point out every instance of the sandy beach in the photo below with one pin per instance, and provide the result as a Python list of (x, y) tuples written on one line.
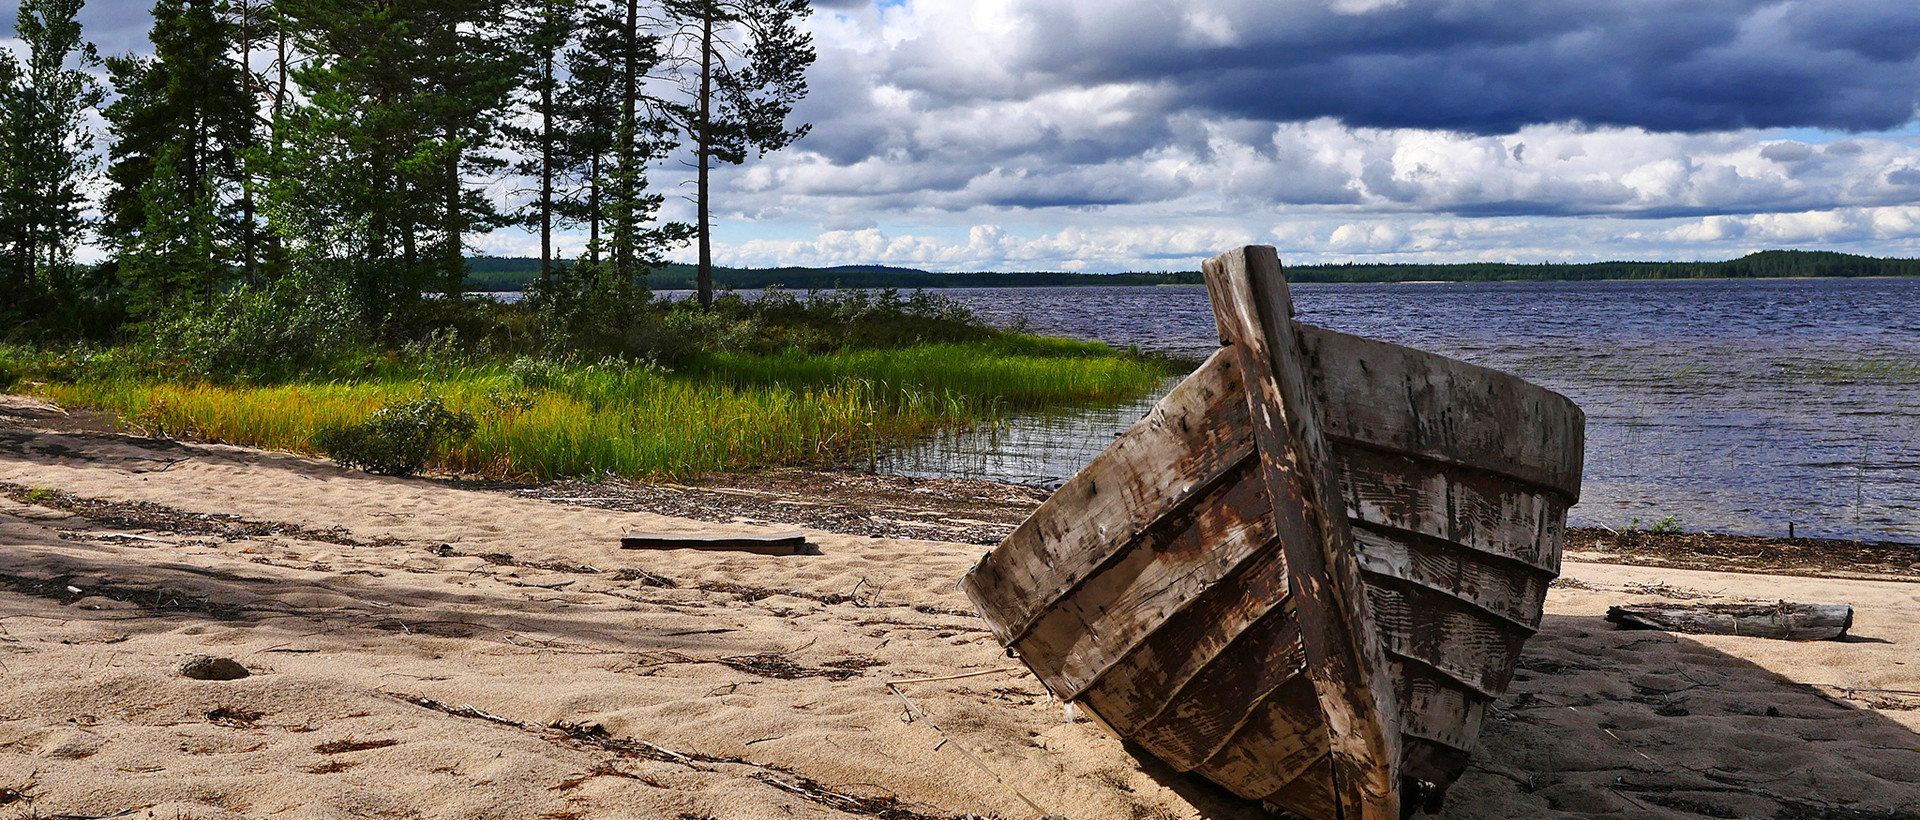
[(424, 648)]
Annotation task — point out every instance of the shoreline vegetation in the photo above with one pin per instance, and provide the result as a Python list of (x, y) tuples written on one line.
[(666, 392), (496, 274)]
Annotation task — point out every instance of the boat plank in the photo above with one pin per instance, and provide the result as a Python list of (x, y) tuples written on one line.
[(1514, 594), (1201, 719), (1436, 709), (1389, 396), (1148, 471), (1344, 657), (1309, 795), (1477, 509), (1161, 571), (1131, 692), (1436, 629), (1277, 743)]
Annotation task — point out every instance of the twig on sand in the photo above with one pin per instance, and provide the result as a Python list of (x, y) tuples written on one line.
[(595, 737), (915, 712), (973, 674)]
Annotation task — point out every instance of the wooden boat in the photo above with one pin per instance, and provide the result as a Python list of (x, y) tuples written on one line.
[(1308, 570)]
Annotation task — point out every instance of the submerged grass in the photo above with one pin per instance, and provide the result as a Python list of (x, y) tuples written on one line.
[(719, 412)]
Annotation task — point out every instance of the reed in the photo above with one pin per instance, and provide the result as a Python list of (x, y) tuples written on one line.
[(1020, 373), (726, 412)]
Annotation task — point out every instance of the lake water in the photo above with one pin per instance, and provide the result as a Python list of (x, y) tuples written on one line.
[(1732, 406)]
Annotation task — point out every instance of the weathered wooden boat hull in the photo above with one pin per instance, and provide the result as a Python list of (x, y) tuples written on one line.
[(1308, 570)]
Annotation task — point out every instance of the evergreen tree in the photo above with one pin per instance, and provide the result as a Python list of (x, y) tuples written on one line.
[(403, 100), (45, 155), (338, 196), (467, 66), (612, 134), (740, 67), (549, 27), (177, 211)]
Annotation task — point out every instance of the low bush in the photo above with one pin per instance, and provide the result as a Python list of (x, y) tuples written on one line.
[(397, 439), (268, 334)]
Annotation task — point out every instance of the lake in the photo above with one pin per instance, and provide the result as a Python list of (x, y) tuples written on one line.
[(1731, 406)]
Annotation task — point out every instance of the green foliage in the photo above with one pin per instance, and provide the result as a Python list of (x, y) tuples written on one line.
[(591, 308), (602, 132), (266, 334), (745, 68), (831, 320), (397, 439), (543, 418), (370, 183), (46, 160), (1665, 526), (178, 210), (441, 353), (534, 373)]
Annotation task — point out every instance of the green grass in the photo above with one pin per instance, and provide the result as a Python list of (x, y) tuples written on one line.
[(721, 412)]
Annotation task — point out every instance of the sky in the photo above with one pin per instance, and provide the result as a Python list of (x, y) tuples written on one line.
[(1111, 135)]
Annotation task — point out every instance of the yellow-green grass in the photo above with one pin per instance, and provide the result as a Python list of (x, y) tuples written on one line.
[(728, 413), (1019, 373)]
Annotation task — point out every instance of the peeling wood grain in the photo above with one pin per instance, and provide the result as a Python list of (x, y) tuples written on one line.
[(1344, 657), (1148, 472), (1446, 410), (1308, 571), (1162, 571), (1139, 687)]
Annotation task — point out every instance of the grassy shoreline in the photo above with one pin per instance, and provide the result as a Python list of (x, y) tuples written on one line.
[(543, 419)]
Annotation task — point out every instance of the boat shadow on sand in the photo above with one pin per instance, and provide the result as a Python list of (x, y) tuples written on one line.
[(1612, 723)]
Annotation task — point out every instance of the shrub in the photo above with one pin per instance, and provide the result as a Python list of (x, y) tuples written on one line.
[(397, 439), (727, 327), (587, 308), (534, 374), (263, 335), (442, 354)]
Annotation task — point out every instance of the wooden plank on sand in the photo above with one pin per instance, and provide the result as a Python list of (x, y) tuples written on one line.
[(778, 543)]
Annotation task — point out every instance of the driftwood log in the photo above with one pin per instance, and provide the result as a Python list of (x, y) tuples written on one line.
[(782, 543), (1782, 621)]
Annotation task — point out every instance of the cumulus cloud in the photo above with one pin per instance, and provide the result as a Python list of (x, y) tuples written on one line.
[(1481, 66), (1109, 134)]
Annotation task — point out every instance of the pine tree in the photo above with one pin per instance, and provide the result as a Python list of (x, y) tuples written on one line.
[(467, 67), (403, 100), (183, 120), (548, 28), (740, 66), (45, 155), (612, 134)]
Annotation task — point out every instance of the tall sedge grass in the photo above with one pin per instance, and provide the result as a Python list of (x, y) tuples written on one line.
[(727, 412), (977, 371)]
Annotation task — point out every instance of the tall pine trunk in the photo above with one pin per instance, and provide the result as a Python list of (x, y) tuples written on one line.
[(624, 164), (454, 262), (546, 158), (594, 165), (704, 140), (248, 263)]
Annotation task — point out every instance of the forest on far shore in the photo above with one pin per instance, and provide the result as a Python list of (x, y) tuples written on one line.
[(494, 273)]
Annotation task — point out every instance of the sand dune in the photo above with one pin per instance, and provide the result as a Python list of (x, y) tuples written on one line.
[(423, 650)]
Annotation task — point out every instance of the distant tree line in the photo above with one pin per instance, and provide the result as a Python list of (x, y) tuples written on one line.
[(1762, 265), (342, 151), (505, 274)]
